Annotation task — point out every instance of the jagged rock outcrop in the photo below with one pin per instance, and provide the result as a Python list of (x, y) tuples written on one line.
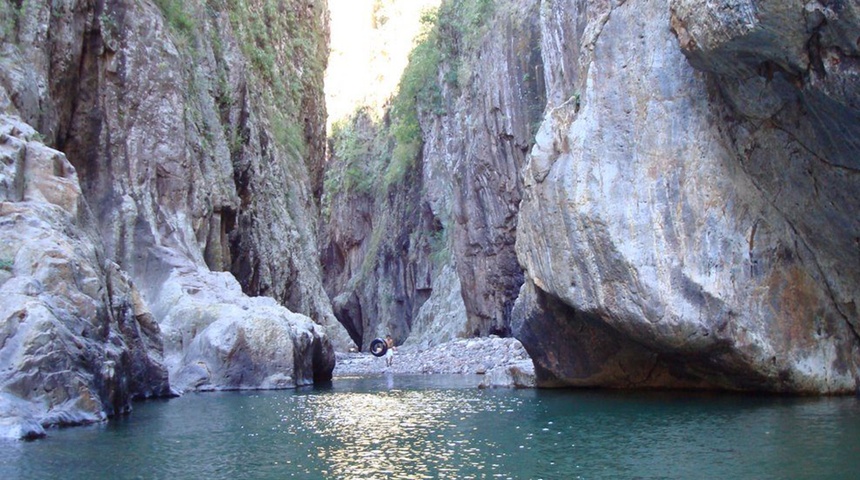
[(198, 148), (77, 343), (689, 212)]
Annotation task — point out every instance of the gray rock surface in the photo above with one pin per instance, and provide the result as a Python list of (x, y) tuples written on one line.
[(77, 343), (388, 253), (517, 375), (170, 127), (377, 252), (198, 151), (684, 228), (474, 152), (795, 93), (442, 318), (217, 338)]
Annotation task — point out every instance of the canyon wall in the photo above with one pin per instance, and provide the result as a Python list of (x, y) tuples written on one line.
[(679, 177), (455, 138), (689, 213), (493, 97), (193, 133), (77, 342), (646, 193)]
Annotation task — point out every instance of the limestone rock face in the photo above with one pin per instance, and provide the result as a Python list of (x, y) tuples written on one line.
[(689, 210), (180, 140), (77, 344), (796, 94), (441, 318), (198, 149), (473, 155)]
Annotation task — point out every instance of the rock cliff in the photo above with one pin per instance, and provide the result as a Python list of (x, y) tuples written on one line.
[(459, 127), (195, 133), (689, 212), (77, 342), (493, 96), (685, 217)]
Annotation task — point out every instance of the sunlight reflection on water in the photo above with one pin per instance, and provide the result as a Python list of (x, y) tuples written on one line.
[(370, 434), (443, 427)]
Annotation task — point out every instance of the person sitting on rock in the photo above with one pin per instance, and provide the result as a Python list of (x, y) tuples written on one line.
[(389, 354)]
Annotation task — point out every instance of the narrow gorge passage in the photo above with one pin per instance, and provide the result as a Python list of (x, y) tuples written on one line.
[(543, 162)]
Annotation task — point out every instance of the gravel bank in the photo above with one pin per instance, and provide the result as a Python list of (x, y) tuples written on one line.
[(503, 361)]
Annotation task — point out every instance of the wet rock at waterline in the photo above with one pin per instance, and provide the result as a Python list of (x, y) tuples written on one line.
[(516, 375), (697, 228), (77, 344)]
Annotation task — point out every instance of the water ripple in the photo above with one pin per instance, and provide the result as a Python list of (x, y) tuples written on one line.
[(434, 428)]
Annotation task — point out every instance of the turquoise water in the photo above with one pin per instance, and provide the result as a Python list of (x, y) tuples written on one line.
[(443, 427)]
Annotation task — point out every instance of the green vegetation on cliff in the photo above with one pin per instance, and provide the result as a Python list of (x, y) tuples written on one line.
[(379, 157), (387, 258), (286, 49), (449, 33), (176, 15), (9, 15), (285, 45)]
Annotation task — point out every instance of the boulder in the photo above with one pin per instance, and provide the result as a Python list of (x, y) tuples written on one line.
[(217, 338), (518, 375)]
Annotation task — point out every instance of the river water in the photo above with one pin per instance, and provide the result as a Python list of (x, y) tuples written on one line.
[(442, 427)]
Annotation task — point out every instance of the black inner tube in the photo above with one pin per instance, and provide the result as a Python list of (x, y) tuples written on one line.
[(378, 347)]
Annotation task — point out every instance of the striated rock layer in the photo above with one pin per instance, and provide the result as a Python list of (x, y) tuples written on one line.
[(198, 151), (689, 210), (474, 152), (430, 256)]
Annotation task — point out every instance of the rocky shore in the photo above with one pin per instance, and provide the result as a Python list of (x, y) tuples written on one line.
[(503, 362)]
